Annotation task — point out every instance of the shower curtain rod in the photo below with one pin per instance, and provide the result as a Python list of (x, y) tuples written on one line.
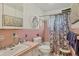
[(51, 15), (63, 11)]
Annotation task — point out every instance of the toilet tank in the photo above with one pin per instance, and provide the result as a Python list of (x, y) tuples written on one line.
[(37, 40)]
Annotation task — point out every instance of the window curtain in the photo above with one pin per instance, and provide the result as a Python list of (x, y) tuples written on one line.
[(58, 28)]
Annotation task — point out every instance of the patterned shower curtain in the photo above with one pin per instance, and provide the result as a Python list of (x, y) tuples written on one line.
[(58, 27)]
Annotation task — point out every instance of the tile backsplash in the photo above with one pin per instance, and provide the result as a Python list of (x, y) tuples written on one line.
[(21, 33), (2, 37)]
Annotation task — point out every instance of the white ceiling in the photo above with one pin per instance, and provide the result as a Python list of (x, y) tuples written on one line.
[(42, 6), (52, 6)]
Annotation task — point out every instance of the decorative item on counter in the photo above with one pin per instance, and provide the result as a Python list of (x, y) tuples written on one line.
[(21, 40), (4, 47), (15, 39), (26, 37), (0, 47), (10, 46)]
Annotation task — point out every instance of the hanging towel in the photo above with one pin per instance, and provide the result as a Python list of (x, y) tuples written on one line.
[(72, 38)]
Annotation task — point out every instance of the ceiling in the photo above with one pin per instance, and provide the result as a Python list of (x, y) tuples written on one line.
[(52, 6), (42, 6)]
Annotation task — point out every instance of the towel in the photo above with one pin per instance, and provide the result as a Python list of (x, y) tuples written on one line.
[(72, 38)]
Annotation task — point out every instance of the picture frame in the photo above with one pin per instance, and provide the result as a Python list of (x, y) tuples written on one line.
[(12, 21)]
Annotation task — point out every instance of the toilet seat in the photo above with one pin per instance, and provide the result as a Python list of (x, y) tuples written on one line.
[(44, 49)]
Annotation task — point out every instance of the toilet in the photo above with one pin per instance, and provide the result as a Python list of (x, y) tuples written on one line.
[(37, 39), (44, 49)]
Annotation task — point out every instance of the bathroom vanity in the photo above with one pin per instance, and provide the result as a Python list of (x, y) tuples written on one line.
[(25, 49), (32, 50)]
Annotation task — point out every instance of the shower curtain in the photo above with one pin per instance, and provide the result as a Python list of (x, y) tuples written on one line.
[(58, 28)]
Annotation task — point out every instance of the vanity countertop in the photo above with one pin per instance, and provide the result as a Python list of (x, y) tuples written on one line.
[(31, 44), (19, 49)]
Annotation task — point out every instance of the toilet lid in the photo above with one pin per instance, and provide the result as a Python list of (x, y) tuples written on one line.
[(37, 40), (45, 47)]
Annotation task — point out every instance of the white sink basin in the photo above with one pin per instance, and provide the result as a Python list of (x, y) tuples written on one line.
[(12, 51), (2, 51)]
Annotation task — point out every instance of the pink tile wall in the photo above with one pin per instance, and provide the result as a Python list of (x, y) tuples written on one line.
[(30, 33), (20, 33), (43, 32)]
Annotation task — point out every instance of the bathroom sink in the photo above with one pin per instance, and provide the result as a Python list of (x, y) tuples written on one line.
[(20, 48), (12, 51), (2, 51)]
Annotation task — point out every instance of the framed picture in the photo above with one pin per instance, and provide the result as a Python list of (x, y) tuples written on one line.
[(12, 21)]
